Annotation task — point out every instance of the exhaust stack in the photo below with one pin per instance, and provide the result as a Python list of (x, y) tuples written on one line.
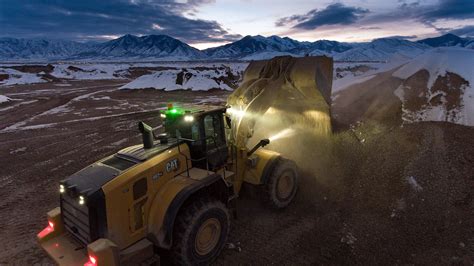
[(147, 135)]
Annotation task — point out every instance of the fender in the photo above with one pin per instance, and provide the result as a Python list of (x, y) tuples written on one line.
[(168, 202), (269, 168), (266, 161)]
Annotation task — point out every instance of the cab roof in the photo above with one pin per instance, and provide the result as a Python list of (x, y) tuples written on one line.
[(202, 110)]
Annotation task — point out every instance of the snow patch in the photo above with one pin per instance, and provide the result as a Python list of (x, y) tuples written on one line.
[(16, 77), (190, 79), (439, 61), (22, 149), (413, 184), (4, 99)]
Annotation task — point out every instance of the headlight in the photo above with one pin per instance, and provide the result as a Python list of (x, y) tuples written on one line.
[(82, 200), (61, 189), (188, 118), (162, 115)]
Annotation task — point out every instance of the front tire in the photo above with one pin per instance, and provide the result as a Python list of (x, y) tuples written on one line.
[(282, 184), (200, 233)]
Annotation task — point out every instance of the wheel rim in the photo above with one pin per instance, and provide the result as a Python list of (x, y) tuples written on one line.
[(285, 185), (208, 236)]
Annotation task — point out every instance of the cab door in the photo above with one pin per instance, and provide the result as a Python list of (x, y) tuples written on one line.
[(215, 144)]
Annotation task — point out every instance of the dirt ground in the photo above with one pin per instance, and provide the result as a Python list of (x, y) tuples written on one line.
[(388, 195)]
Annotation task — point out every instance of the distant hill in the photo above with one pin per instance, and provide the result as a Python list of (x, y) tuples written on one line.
[(259, 47), (383, 49), (448, 40), (253, 45)]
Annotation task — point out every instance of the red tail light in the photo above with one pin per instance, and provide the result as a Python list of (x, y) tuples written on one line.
[(47, 230), (92, 261)]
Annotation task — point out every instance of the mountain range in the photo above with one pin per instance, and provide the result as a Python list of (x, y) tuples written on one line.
[(163, 47)]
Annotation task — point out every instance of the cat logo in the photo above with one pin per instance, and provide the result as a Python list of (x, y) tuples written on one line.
[(172, 165)]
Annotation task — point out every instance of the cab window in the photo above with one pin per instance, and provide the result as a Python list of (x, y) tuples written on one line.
[(213, 131)]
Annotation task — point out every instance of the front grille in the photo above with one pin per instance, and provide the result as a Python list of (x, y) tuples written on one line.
[(76, 218)]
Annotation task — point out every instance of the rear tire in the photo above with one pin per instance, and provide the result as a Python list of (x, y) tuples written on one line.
[(200, 233), (282, 184)]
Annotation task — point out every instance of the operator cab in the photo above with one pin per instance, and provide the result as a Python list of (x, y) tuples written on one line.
[(203, 131)]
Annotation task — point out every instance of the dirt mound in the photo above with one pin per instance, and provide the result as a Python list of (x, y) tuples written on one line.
[(403, 191), (370, 101), (400, 196), (443, 101), (78, 69), (34, 68), (4, 77), (135, 72), (436, 86)]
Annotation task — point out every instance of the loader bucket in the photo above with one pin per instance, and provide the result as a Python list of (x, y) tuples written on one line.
[(295, 87)]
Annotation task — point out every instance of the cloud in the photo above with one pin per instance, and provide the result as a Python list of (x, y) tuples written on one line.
[(403, 37), (370, 28), (467, 31), (334, 14), (449, 9), (430, 14), (90, 19)]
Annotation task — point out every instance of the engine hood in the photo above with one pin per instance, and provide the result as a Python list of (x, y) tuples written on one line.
[(91, 179)]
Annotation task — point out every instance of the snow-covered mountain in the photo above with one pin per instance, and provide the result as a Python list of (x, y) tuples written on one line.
[(383, 49), (126, 47), (259, 47), (250, 45), (33, 49), (448, 40), (325, 47), (163, 47), (150, 46)]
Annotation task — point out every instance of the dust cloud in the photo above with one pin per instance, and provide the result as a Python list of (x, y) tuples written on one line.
[(286, 100)]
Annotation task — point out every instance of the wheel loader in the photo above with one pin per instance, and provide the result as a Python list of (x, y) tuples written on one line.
[(176, 191)]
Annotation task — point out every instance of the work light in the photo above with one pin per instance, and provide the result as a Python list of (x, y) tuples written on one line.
[(82, 200)]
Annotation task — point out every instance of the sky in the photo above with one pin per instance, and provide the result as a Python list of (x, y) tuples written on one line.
[(209, 23)]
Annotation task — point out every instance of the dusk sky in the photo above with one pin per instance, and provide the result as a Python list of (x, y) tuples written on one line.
[(207, 23)]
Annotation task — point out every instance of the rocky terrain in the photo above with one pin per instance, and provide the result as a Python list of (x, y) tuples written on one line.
[(393, 185), (169, 76)]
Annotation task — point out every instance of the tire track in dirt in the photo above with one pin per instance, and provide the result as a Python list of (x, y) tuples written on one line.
[(60, 105)]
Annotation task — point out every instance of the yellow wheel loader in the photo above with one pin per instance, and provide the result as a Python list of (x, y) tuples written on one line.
[(176, 191)]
